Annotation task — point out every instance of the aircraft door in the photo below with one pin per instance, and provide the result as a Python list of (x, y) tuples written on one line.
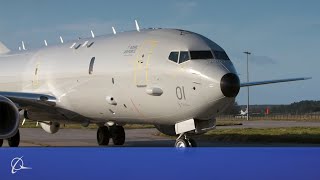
[(142, 62)]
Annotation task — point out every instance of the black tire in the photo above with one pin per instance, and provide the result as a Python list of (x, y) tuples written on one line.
[(181, 143), (103, 136), (192, 143), (1, 142), (118, 135), (14, 141)]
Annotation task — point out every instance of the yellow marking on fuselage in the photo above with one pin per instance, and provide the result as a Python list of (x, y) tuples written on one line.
[(153, 46), (35, 82), (147, 46)]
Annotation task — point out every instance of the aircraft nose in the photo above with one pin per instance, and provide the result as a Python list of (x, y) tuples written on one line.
[(230, 85)]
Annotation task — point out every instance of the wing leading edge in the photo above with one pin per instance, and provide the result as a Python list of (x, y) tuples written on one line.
[(24, 99), (257, 83)]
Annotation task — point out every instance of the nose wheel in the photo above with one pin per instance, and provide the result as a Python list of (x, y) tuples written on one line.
[(183, 141)]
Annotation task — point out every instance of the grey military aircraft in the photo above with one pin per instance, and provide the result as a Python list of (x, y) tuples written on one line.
[(175, 79)]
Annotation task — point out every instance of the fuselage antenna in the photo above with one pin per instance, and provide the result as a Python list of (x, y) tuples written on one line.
[(92, 34), (45, 43), (61, 39), (137, 25), (23, 46), (114, 30)]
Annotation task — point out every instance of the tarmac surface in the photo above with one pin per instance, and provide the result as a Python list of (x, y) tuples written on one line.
[(35, 137)]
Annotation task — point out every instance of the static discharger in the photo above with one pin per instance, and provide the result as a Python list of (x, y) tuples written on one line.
[(137, 25), (114, 30)]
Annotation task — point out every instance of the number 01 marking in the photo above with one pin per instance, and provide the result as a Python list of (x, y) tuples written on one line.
[(180, 93)]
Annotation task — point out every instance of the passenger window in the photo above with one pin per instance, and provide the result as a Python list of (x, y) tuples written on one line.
[(184, 56), (91, 65), (174, 56)]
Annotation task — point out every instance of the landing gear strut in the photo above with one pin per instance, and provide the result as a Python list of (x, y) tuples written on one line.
[(116, 133), (14, 141), (183, 141)]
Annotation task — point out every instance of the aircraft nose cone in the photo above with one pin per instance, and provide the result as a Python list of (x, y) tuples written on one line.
[(230, 85)]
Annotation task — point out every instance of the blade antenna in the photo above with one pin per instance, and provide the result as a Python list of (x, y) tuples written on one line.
[(114, 30), (45, 43), (23, 46), (137, 25), (92, 34), (61, 40)]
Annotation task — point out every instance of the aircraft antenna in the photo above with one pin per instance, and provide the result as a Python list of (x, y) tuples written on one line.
[(23, 46), (92, 34), (61, 39), (137, 25), (114, 30), (19, 48), (45, 43)]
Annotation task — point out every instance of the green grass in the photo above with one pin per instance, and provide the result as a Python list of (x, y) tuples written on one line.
[(302, 118), (310, 135), (229, 123)]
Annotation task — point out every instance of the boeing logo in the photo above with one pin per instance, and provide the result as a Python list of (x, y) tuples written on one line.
[(17, 165)]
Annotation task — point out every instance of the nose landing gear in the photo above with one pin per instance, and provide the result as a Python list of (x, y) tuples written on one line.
[(183, 141)]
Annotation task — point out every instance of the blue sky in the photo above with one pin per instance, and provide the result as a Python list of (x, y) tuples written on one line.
[(284, 36)]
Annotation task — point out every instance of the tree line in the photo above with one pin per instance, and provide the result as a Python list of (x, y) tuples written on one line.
[(302, 107)]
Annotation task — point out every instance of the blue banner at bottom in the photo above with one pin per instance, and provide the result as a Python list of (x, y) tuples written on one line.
[(159, 163)]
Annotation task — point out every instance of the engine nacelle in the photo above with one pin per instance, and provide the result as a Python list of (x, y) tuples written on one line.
[(50, 127), (167, 129), (9, 118)]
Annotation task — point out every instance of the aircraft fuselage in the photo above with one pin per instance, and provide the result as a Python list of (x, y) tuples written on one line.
[(126, 78)]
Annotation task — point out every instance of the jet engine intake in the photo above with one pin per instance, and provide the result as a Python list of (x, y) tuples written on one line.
[(9, 118)]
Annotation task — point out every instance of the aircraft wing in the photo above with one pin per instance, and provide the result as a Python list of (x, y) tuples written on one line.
[(257, 83), (44, 105), (29, 99)]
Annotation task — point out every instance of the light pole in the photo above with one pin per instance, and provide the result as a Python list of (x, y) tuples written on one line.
[(248, 53)]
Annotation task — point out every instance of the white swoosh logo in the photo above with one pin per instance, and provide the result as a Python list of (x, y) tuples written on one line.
[(17, 165)]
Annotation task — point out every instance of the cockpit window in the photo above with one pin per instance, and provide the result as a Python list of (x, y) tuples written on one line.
[(221, 55), (184, 56), (201, 55), (174, 56)]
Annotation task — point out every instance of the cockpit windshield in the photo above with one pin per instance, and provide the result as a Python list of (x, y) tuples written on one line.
[(201, 55), (221, 55), (183, 56)]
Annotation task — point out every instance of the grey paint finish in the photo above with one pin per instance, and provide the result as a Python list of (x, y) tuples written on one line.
[(126, 66)]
